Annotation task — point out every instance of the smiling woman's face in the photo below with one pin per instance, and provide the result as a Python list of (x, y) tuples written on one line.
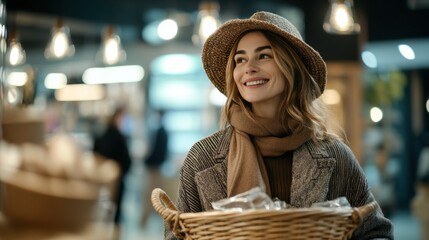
[(257, 76)]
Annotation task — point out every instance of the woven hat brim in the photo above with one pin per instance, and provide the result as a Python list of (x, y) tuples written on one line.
[(218, 46)]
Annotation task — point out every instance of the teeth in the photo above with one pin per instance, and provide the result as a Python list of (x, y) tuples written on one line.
[(258, 82)]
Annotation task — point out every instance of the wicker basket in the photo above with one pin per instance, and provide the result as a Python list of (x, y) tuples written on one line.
[(300, 223)]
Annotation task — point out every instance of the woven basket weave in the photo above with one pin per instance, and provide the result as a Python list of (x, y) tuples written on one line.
[(293, 224)]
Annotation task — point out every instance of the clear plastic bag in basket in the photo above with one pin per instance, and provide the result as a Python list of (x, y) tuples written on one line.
[(255, 198), (340, 202)]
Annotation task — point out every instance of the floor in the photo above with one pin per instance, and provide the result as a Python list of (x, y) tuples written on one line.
[(406, 226), (133, 208)]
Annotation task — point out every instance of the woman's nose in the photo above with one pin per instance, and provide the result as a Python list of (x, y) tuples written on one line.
[(251, 67)]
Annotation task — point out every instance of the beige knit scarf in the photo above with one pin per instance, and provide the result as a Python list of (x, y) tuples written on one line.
[(251, 140)]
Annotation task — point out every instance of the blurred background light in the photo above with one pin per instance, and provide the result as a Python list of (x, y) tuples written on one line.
[(17, 78), (116, 74), (217, 98), (406, 51), (55, 80), (111, 51), (16, 54), (340, 18), (376, 114), (175, 64), (207, 22), (60, 44), (167, 29), (369, 59), (331, 97), (80, 92), (13, 95)]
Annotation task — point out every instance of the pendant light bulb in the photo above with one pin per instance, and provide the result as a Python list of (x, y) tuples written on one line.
[(111, 51), (340, 18), (60, 45), (16, 54), (207, 22)]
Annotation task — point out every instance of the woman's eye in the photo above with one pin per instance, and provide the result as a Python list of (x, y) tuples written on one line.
[(239, 60), (264, 56)]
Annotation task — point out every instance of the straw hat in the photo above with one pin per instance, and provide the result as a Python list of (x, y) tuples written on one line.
[(218, 46)]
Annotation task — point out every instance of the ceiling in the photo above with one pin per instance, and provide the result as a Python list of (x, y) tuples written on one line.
[(381, 20), (86, 18)]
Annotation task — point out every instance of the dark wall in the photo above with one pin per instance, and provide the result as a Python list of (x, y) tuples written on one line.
[(394, 19)]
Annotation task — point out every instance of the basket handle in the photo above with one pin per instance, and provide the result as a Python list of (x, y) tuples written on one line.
[(167, 210), (162, 204), (361, 212)]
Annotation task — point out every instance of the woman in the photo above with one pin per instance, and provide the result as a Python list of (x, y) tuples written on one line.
[(274, 133)]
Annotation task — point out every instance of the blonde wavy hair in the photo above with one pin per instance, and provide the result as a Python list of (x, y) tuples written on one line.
[(300, 101)]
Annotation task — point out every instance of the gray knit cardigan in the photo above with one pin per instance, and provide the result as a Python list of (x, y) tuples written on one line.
[(319, 173)]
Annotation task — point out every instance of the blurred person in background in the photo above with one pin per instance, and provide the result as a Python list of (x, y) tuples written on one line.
[(420, 202), (274, 132), (112, 144), (153, 163), (423, 164), (386, 170)]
